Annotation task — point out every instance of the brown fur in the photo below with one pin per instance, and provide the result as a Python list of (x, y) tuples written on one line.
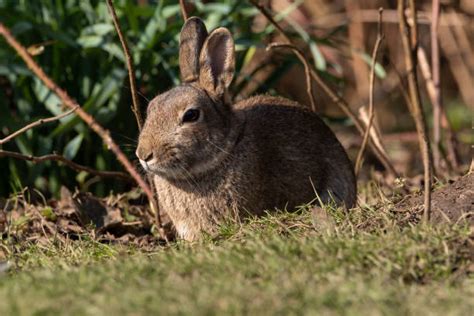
[(259, 154)]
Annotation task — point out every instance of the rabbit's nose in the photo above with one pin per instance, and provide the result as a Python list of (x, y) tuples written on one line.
[(144, 154)]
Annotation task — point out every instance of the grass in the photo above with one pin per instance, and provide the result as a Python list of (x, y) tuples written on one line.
[(363, 263)]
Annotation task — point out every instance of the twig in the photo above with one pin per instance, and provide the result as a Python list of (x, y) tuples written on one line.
[(184, 12), (452, 155), (34, 124), (340, 102), (410, 43), (67, 162), (131, 71), (436, 97), (69, 102), (390, 16), (131, 75), (307, 68), (380, 37)]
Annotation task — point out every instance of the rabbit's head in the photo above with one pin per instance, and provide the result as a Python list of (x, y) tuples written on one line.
[(190, 128)]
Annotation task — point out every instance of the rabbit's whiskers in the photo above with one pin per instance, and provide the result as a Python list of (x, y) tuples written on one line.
[(220, 148)]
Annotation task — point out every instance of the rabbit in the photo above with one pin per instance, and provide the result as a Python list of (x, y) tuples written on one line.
[(213, 161)]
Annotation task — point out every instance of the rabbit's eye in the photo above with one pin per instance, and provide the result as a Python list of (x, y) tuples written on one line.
[(191, 115)]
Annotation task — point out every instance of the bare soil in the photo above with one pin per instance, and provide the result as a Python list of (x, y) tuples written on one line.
[(453, 203)]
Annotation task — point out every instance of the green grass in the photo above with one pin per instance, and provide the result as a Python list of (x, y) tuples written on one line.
[(275, 265)]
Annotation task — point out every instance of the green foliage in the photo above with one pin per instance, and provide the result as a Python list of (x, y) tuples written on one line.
[(83, 55), (77, 46)]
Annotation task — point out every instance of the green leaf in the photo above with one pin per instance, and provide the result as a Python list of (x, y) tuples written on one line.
[(88, 41), (98, 29), (72, 148), (379, 70)]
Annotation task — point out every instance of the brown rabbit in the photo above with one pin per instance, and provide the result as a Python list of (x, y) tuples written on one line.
[(213, 160)]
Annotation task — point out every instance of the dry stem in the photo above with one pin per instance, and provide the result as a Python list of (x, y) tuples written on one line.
[(410, 43), (380, 37), (452, 155), (67, 162), (436, 98), (131, 71), (136, 110), (307, 69), (340, 102), (34, 124), (69, 102)]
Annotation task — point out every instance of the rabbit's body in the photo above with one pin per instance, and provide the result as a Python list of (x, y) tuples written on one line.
[(269, 166), (214, 161)]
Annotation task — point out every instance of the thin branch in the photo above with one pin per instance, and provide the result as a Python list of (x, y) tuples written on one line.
[(436, 98), (35, 124), (184, 12), (307, 69), (69, 102), (131, 71), (136, 110), (410, 45), (380, 37), (452, 155), (67, 162), (340, 102)]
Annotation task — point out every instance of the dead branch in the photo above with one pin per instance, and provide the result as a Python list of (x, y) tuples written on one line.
[(452, 155), (339, 101), (77, 167), (131, 71), (69, 102), (184, 12), (35, 124), (390, 16), (410, 45), (380, 37), (436, 97), (307, 69)]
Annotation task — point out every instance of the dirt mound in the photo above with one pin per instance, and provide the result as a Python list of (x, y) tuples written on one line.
[(453, 203)]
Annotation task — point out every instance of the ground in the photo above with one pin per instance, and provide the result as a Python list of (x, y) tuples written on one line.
[(374, 260)]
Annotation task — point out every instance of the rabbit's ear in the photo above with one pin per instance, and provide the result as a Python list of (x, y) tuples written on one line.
[(216, 63), (192, 37)]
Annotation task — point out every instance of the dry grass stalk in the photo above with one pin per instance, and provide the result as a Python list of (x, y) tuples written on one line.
[(410, 44), (340, 102), (67, 162), (452, 155), (131, 71), (307, 69), (35, 124), (70, 103), (390, 16), (378, 42), (436, 94)]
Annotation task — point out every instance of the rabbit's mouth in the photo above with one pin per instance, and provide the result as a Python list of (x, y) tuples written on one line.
[(171, 170)]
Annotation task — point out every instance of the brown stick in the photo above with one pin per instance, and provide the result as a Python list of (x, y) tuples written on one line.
[(35, 124), (410, 43), (67, 162), (340, 102), (452, 155), (390, 16), (380, 37), (131, 75), (184, 12), (436, 98), (131, 71), (69, 102), (307, 69)]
